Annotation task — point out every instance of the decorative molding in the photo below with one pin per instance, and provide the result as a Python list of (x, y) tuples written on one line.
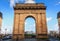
[(30, 7)]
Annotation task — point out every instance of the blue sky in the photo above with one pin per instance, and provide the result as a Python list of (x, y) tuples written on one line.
[(30, 24), (53, 7)]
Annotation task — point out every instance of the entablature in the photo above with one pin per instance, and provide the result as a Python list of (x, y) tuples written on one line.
[(30, 7)]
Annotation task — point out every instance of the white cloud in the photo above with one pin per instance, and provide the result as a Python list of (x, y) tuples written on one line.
[(53, 28), (21, 0), (58, 3), (16, 1), (56, 25), (9, 29), (49, 19), (25, 23), (29, 1), (12, 3), (56, 28)]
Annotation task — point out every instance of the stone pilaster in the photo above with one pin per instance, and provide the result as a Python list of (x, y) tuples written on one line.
[(21, 27), (16, 26), (44, 26), (39, 25)]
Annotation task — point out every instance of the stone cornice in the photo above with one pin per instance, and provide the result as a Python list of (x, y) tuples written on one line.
[(30, 7)]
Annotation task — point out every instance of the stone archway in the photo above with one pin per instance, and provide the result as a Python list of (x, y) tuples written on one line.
[(30, 27), (38, 11)]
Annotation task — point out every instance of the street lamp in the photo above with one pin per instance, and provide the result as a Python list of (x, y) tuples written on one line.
[(5, 31)]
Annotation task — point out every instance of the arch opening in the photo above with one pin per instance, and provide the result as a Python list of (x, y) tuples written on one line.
[(30, 27)]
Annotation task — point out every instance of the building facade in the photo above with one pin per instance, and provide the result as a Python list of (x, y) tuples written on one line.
[(53, 33), (58, 17), (0, 23), (0, 20)]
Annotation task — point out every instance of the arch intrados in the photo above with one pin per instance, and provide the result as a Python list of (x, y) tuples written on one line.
[(31, 17)]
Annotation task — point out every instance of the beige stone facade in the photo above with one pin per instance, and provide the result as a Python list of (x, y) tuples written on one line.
[(37, 11)]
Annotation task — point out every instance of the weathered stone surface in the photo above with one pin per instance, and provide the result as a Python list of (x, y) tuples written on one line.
[(22, 11)]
